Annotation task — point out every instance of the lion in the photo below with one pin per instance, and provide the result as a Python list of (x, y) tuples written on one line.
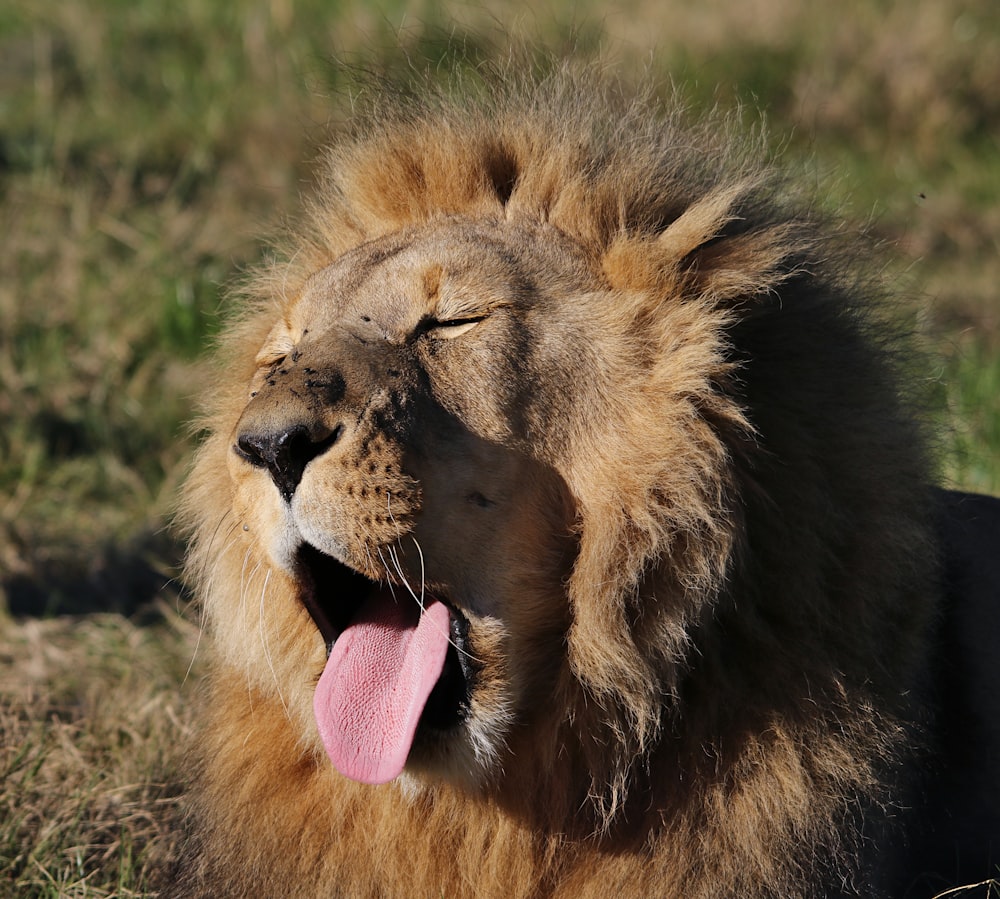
[(564, 528)]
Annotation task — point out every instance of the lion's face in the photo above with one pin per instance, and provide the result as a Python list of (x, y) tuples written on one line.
[(397, 461)]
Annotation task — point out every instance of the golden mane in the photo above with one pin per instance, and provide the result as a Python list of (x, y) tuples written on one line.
[(666, 210), (750, 596)]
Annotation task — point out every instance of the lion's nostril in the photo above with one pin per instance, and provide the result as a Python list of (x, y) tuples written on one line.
[(286, 453)]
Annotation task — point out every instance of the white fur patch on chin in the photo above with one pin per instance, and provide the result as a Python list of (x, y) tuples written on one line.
[(321, 540), (282, 547)]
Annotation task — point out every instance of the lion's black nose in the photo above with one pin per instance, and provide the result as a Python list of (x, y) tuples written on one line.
[(285, 453)]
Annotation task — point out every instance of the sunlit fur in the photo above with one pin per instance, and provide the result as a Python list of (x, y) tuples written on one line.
[(746, 609)]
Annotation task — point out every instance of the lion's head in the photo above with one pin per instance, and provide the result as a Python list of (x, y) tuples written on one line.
[(518, 439)]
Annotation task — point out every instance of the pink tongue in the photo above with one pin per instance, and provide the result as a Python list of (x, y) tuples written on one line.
[(376, 682)]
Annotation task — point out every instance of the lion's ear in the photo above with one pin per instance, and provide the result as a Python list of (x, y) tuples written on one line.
[(721, 248), (702, 221)]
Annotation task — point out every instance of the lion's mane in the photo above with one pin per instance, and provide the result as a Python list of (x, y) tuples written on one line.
[(750, 593)]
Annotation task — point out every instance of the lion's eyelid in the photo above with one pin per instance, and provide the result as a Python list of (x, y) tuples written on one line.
[(451, 329)]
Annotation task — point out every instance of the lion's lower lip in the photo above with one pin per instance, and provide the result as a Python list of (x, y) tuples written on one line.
[(333, 593)]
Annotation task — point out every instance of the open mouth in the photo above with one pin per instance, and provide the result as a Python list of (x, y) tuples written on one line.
[(393, 668)]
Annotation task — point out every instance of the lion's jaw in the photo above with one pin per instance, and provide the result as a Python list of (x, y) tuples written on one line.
[(427, 546)]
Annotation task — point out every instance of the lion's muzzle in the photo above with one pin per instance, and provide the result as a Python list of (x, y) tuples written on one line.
[(286, 451), (290, 420)]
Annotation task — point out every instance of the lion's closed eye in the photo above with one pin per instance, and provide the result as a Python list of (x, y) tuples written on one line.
[(450, 329)]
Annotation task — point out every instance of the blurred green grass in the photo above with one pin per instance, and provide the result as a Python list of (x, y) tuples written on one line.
[(143, 152), (146, 148)]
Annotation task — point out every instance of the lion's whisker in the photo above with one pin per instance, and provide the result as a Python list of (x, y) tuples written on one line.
[(370, 557), (210, 544), (220, 553), (392, 518), (201, 610), (423, 572), (218, 527), (400, 574), (388, 572), (264, 640), (395, 557), (194, 652), (420, 600), (244, 578)]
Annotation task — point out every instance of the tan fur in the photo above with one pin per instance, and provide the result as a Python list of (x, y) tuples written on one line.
[(639, 414)]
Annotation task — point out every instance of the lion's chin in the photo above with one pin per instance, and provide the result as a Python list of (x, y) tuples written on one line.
[(398, 669)]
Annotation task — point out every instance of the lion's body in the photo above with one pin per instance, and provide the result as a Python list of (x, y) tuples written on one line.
[(628, 426)]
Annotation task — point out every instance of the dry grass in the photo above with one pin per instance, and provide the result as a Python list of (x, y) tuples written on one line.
[(92, 715), (143, 149)]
